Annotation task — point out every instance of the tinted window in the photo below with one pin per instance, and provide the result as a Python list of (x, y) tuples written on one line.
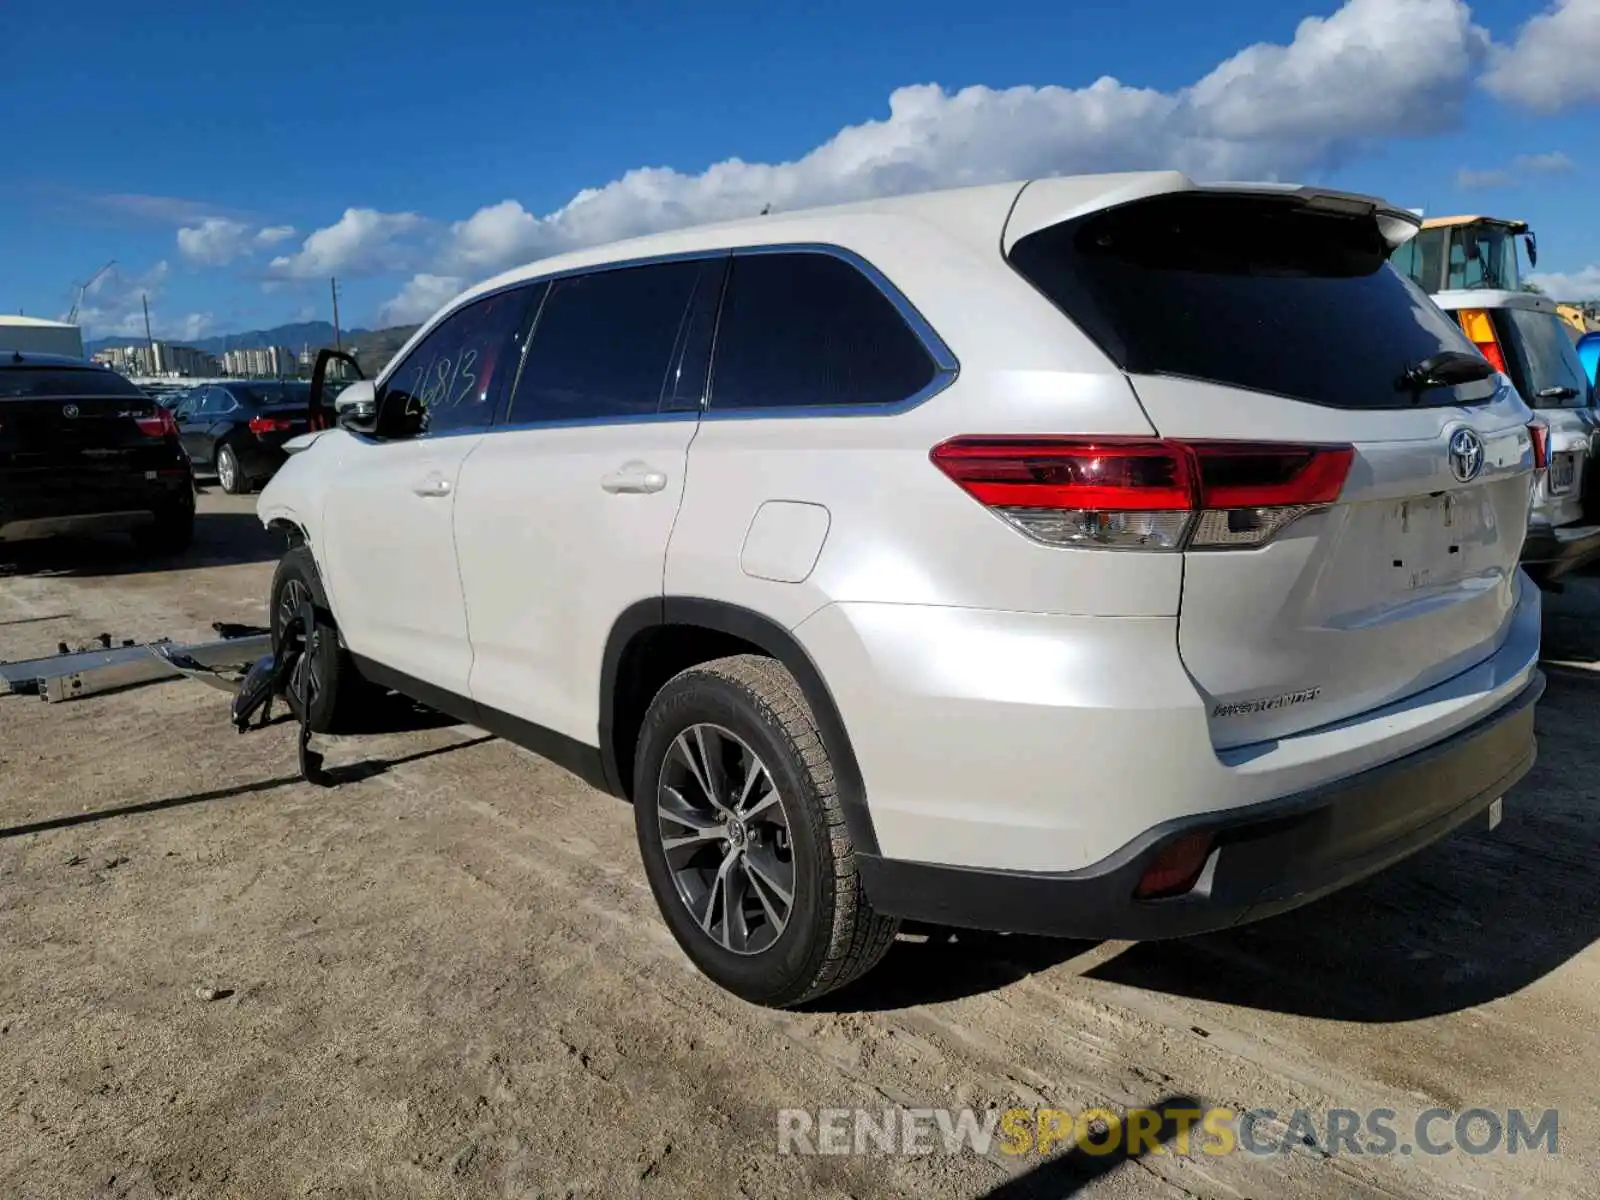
[(604, 342), (21, 382), (1541, 358), (453, 378), (275, 395), (810, 329), (1258, 293)]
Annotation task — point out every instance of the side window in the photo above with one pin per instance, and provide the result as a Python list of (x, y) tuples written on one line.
[(604, 343), (222, 402), (808, 329), (453, 378), (209, 403)]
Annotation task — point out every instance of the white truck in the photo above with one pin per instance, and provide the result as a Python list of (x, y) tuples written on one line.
[(34, 335)]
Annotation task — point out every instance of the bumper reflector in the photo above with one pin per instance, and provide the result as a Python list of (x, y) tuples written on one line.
[(1176, 869)]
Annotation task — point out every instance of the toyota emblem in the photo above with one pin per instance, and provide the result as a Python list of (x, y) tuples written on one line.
[(69, 411), (1466, 455)]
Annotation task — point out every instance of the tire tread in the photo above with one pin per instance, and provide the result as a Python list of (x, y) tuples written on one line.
[(859, 937)]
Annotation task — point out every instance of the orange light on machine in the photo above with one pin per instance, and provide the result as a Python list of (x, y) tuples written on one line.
[(1479, 327)]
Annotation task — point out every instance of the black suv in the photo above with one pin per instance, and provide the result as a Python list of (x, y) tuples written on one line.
[(84, 451), (237, 428)]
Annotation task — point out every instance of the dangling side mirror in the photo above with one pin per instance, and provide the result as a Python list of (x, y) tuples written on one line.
[(356, 408)]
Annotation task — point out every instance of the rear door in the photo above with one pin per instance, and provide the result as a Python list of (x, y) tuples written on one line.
[(564, 514), (1264, 319)]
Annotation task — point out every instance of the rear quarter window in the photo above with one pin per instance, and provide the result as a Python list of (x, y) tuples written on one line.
[(1251, 292)]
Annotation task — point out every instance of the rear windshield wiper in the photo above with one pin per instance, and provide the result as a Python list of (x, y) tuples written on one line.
[(1556, 393), (1447, 369)]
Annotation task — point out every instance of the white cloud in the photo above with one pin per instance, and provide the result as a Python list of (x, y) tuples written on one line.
[(419, 299), (1580, 285), (364, 241), (1544, 164), (1375, 69), (114, 307), (215, 242), (1474, 180), (1552, 63)]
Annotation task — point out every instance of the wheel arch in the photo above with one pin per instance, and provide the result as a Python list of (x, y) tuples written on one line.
[(637, 634)]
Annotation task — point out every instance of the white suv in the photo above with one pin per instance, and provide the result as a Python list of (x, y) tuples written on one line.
[(1110, 557)]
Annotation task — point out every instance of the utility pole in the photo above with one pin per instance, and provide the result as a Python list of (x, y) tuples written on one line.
[(149, 342), (333, 286)]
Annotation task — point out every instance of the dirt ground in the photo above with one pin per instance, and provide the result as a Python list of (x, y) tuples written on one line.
[(448, 979)]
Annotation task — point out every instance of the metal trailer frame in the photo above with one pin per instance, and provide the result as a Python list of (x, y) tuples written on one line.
[(90, 672)]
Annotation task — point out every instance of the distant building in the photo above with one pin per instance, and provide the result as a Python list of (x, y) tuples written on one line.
[(256, 361), (159, 360)]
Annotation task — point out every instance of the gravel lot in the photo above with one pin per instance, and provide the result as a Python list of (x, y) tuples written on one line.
[(447, 977)]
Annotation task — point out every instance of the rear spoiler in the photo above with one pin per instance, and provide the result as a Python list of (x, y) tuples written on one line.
[(1046, 202)]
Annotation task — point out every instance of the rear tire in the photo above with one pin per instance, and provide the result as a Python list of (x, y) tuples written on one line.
[(229, 473), (794, 922), (340, 694)]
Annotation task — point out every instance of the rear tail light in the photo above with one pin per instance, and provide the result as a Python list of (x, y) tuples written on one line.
[(1176, 869), (1146, 494), (157, 424), (1479, 327), (259, 425), (1540, 433)]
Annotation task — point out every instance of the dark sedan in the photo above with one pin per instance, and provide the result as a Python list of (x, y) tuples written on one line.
[(237, 429), (84, 451)]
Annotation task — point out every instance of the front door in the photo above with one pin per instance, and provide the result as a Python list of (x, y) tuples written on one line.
[(388, 544)]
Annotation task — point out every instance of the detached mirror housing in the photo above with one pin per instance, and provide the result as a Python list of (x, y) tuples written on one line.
[(1589, 354), (356, 407)]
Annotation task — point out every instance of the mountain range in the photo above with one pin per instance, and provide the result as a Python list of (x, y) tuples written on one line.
[(294, 336)]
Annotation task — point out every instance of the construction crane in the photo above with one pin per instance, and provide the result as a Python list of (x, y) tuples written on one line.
[(72, 314)]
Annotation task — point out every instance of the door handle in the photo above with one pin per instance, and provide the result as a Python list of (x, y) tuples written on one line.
[(434, 485), (634, 478)]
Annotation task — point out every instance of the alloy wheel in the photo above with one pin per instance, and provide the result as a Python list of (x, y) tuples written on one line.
[(725, 833)]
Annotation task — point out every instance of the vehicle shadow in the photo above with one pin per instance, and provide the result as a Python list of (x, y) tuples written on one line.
[(1475, 918), (351, 773), (1572, 620), (220, 539)]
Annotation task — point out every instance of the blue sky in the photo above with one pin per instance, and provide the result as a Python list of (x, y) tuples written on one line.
[(230, 161)]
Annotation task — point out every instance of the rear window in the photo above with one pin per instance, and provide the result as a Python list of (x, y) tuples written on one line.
[(22, 383), (1541, 358), (1262, 293), (292, 395)]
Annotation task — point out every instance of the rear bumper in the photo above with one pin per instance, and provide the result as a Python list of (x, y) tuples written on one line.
[(1556, 551), (1268, 857), (69, 503)]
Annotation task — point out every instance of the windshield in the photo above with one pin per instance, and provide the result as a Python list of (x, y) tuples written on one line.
[(1495, 265), (27, 382)]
